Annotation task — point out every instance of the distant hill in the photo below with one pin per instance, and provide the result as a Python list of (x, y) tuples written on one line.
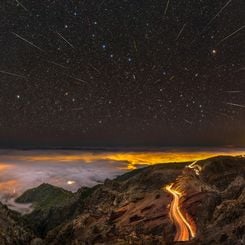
[(52, 206), (45, 196)]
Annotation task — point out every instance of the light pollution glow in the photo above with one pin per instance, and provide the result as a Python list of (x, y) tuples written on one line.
[(133, 158), (20, 170)]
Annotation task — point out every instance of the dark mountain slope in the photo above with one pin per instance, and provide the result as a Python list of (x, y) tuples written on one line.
[(11, 230), (134, 207), (51, 207)]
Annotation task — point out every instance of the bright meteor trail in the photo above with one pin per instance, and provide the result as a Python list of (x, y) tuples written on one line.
[(237, 105), (219, 12), (65, 40), (180, 32), (232, 34), (122, 73), (166, 8), (78, 79), (21, 5), (25, 40), (12, 74)]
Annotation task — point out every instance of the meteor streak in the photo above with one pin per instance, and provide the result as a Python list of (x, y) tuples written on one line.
[(166, 8), (219, 12), (78, 79), (62, 37), (237, 105), (187, 121), (25, 40), (233, 91), (97, 70), (56, 64), (22, 5), (232, 34), (12, 74), (180, 32)]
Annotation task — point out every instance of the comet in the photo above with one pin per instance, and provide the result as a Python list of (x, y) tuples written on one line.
[(25, 40), (12, 74), (63, 38)]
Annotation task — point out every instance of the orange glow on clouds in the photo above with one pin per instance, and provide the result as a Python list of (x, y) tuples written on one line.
[(8, 186), (133, 158), (21, 170), (4, 166)]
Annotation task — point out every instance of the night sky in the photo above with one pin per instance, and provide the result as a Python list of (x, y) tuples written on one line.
[(122, 73)]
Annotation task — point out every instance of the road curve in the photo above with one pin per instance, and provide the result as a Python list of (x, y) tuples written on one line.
[(184, 229)]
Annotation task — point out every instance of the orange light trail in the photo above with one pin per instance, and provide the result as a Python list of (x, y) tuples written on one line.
[(185, 230)]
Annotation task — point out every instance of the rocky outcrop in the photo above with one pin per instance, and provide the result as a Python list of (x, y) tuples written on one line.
[(11, 229), (218, 209)]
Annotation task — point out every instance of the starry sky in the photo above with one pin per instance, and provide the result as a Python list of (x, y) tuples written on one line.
[(122, 73)]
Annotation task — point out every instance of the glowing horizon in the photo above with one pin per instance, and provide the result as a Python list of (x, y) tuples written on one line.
[(133, 158), (21, 170)]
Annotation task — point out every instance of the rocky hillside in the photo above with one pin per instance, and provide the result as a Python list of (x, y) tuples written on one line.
[(216, 200), (135, 207), (12, 230), (51, 206)]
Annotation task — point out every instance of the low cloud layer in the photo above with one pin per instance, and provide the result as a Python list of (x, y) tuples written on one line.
[(18, 174), (21, 170)]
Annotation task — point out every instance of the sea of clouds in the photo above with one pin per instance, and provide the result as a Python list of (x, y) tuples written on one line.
[(20, 171)]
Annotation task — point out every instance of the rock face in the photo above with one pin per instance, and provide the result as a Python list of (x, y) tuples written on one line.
[(217, 200), (11, 230), (134, 208)]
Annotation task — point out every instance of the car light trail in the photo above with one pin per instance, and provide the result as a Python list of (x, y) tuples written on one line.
[(185, 230)]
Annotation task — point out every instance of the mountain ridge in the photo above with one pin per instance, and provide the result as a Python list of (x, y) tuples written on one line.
[(134, 207)]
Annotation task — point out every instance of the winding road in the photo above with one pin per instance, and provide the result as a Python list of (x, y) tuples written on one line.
[(184, 229)]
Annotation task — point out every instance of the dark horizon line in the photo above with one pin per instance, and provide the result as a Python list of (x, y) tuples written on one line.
[(118, 148)]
